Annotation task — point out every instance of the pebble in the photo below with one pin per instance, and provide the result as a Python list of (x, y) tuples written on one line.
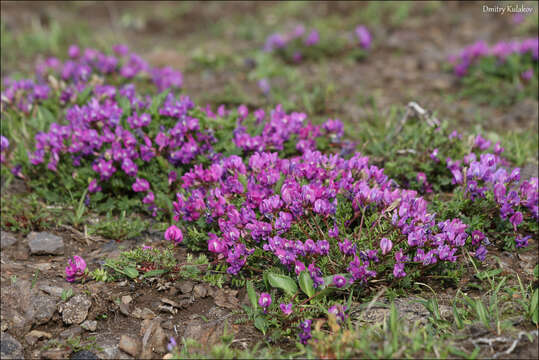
[(72, 331), (52, 290), (45, 243), (7, 239), (90, 325), (83, 355), (10, 348), (76, 309), (129, 345), (33, 336), (200, 291), (186, 286)]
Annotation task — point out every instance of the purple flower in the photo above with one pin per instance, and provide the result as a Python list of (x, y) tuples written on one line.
[(481, 253), (339, 281), (305, 334), (385, 245), (75, 268), (173, 233), (73, 51), (264, 86), (264, 301), (172, 344), (477, 237), (93, 187), (398, 270), (313, 38), (434, 155), (141, 185), (516, 219), (521, 242), (527, 75), (286, 308), (339, 312), (149, 198), (363, 36)]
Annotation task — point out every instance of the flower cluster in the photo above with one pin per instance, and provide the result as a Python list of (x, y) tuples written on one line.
[(83, 68), (305, 331), (75, 269), (473, 53), (299, 43)]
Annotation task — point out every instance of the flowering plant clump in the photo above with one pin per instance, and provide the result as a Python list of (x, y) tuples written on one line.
[(300, 44), (268, 186), (483, 68)]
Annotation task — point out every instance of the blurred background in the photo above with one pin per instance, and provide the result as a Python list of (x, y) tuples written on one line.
[(218, 46)]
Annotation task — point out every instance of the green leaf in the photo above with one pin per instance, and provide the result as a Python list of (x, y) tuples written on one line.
[(261, 324), (252, 294), (84, 95), (157, 101), (482, 313), (306, 283), (131, 272), (534, 307), (151, 273), (457, 317), (283, 282)]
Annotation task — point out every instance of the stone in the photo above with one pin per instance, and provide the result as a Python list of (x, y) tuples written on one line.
[(186, 286), (45, 243), (33, 336), (126, 299), (143, 314), (109, 348), (6, 239), (24, 306), (71, 332), (129, 345), (206, 333), (76, 309), (200, 291), (55, 354), (153, 338), (10, 348), (44, 307), (84, 355), (55, 291), (90, 325)]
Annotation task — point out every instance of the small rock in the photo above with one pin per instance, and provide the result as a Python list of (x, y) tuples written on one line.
[(10, 348), (168, 356), (76, 309), (83, 355), (42, 266), (52, 290), (44, 306), (6, 239), (186, 286), (126, 299), (129, 345), (90, 325), (200, 291), (33, 336), (143, 314), (44, 243), (55, 354), (168, 325), (70, 332)]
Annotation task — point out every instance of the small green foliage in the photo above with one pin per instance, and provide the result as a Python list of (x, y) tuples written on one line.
[(66, 294)]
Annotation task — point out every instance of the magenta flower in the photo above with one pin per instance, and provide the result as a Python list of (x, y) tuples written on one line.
[(385, 245), (527, 75), (516, 219), (264, 301), (141, 185), (75, 268), (173, 233), (286, 308), (339, 281), (363, 36)]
